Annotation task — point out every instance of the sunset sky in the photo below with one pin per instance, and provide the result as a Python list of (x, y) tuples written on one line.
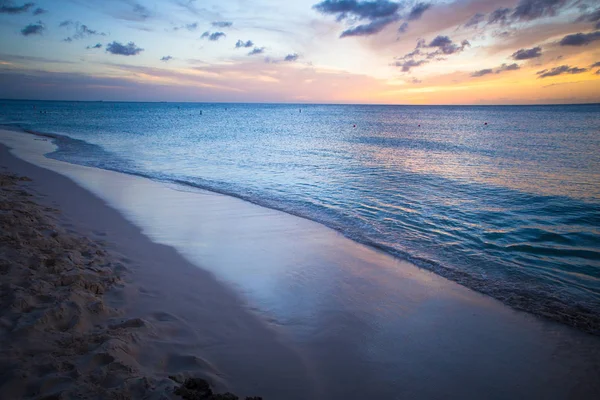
[(331, 51)]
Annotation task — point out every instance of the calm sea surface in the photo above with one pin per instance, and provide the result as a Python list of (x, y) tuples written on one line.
[(511, 208)]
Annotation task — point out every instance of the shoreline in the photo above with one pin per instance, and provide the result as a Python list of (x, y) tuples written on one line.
[(539, 304), (155, 344), (430, 305)]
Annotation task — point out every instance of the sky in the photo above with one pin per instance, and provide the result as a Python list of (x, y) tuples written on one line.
[(302, 51)]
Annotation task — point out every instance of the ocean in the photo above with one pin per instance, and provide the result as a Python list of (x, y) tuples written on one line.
[(502, 199)]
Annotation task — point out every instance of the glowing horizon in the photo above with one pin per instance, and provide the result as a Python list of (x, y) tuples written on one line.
[(306, 51)]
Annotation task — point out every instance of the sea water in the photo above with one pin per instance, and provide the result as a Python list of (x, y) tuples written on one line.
[(504, 200)]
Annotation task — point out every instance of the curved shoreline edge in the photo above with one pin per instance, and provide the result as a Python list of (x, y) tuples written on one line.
[(540, 303)]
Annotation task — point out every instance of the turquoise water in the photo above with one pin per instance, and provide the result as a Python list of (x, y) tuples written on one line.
[(511, 208)]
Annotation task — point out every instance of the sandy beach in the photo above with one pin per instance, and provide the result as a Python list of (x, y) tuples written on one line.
[(112, 283)]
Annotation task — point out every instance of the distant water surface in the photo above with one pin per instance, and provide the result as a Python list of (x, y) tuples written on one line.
[(511, 208)]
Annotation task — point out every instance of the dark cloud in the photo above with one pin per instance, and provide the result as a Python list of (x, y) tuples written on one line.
[(66, 23), (403, 28), (597, 26), (406, 65), (499, 70), (507, 67), (580, 39), (378, 13), (446, 46), (499, 16), (33, 29), (598, 72), (369, 10), (8, 7), (526, 10), (257, 50), (222, 24), (482, 72), (371, 28), (594, 65), (240, 44), (214, 36), (291, 57), (563, 69), (475, 20), (590, 17), (526, 54), (417, 11), (424, 53), (130, 49), (96, 46), (166, 58), (39, 11)]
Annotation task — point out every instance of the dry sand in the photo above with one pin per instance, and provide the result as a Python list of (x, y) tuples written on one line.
[(60, 336)]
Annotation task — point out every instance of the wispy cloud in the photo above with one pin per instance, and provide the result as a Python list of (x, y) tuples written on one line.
[(39, 11), (222, 24), (291, 57), (563, 69), (214, 36), (166, 59), (129, 49), (96, 46), (81, 31), (257, 50), (241, 44)]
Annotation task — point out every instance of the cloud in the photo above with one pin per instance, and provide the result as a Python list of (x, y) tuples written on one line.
[(130, 49), (526, 54), (213, 36), (403, 28), (598, 72), (240, 44), (222, 24), (526, 10), (417, 11), (507, 67), (590, 17), (257, 50), (594, 65), (96, 46), (580, 39), (8, 7), (291, 57), (440, 45), (82, 31), (370, 10), (499, 70), (39, 11), (378, 13), (408, 64), (499, 16), (446, 46), (563, 69), (482, 72), (141, 12), (33, 29), (166, 58), (371, 28), (191, 27), (475, 20)]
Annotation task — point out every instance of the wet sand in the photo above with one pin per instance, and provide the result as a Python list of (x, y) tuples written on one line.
[(268, 303)]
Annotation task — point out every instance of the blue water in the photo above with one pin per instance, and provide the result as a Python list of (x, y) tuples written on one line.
[(511, 208)]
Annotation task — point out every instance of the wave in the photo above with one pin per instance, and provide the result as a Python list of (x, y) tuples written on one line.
[(529, 294)]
